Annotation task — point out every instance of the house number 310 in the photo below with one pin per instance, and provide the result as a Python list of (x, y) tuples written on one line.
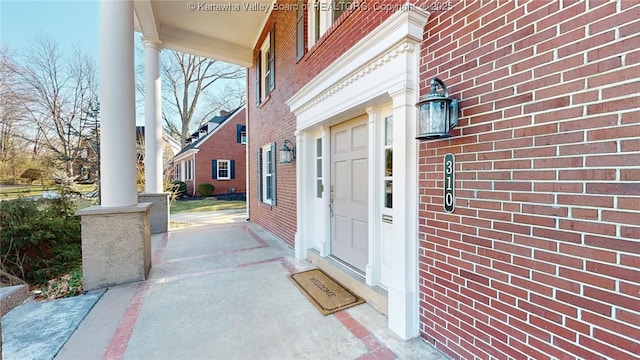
[(449, 183)]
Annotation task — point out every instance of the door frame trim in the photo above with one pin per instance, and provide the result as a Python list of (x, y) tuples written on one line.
[(383, 66)]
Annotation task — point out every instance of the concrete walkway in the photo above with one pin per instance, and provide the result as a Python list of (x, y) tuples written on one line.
[(208, 218), (220, 291)]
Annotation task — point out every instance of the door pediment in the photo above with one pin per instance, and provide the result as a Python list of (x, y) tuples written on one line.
[(381, 63)]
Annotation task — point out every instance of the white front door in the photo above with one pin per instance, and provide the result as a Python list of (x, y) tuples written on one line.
[(349, 192)]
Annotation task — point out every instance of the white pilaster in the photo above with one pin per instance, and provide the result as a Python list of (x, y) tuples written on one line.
[(117, 107), (403, 293), (301, 167), (385, 62), (325, 247), (372, 274), (153, 168)]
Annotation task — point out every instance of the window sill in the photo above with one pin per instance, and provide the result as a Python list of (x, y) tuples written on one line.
[(264, 101)]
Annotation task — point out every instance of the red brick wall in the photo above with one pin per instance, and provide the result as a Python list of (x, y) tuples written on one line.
[(223, 145), (272, 121), (541, 258)]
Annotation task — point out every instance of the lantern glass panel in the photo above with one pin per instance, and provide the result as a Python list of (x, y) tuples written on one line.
[(285, 156), (433, 117)]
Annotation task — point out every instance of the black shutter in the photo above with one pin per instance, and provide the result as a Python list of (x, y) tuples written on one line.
[(273, 173), (232, 169), (258, 70), (272, 59), (214, 169), (300, 30), (238, 133), (259, 180)]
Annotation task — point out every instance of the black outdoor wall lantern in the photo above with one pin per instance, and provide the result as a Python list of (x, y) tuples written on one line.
[(287, 154), (437, 112)]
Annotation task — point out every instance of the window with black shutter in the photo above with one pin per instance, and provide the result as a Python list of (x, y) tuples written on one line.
[(266, 170), (223, 169), (266, 68), (300, 29), (241, 134)]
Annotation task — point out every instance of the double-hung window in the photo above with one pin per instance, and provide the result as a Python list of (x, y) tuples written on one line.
[(266, 171), (300, 4), (189, 170), (223, 169), (322, 14), (241, 134), (176, 171), (266, 68)]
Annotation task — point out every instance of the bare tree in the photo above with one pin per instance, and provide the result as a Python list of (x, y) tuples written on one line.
[(186, 78), (14, 153), (9, 106), (61, 100)]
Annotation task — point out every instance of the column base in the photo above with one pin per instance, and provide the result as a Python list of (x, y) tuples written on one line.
[(116, 245), (159, 210), (402, 318)]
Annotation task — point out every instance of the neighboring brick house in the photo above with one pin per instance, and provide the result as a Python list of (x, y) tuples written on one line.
[(215, 154), (541, 257), (87, 165), (170, 146)]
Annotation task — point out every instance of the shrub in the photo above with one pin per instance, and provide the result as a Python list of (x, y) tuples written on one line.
[(179, 188), (40, 239), (205, 189), (31, 175)]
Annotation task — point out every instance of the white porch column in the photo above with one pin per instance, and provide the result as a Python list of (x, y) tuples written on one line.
[(116, 236), (153, 168), (117, 108)]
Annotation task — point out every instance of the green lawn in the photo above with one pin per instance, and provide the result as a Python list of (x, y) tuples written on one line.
[(205, 205), (14, 192)]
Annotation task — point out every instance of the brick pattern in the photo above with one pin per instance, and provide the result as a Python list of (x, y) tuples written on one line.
[(222, 145), (541, 258), (271, 121)]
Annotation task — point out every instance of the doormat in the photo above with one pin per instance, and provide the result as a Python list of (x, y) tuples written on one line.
[(328, 295)]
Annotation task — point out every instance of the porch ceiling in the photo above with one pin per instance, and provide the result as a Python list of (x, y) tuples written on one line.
[(197, 28)]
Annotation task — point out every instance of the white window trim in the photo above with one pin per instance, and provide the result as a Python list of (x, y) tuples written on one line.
[(243, 137), (325, 19), (189, 170), (264, 64), (228, 169), (266, 157), (385, 177)]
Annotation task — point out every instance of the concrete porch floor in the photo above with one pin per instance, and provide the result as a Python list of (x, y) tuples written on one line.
[(220, 291)]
